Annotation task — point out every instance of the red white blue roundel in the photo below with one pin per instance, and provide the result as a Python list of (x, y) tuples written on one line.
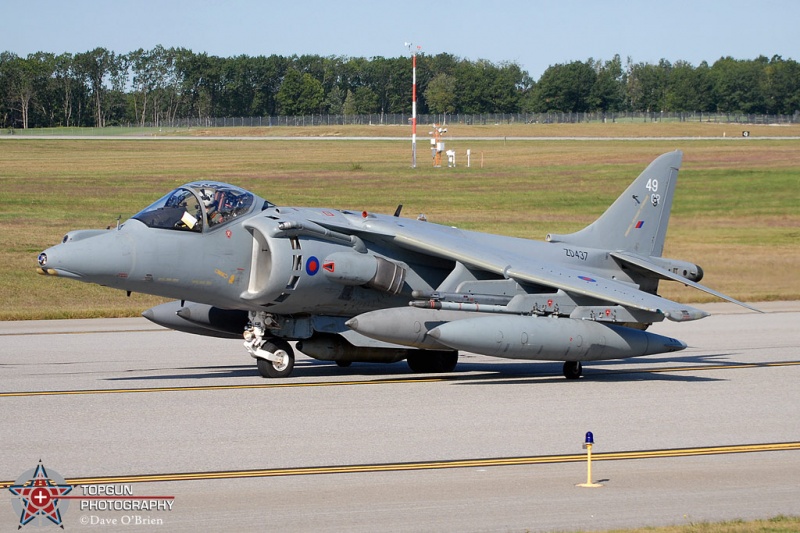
[(312, 266), (586, 278)]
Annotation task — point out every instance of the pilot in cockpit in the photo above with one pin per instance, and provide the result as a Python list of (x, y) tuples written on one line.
[(211, 202)]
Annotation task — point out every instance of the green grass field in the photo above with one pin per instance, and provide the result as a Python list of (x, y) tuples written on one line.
[(736, 211), (779, 524)]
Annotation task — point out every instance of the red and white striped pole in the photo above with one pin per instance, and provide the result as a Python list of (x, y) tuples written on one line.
[(413, 105)]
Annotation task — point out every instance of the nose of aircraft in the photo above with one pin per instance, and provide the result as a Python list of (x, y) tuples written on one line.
[(103, 258)]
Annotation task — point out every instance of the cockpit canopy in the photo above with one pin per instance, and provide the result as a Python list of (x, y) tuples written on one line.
[(197, 206)]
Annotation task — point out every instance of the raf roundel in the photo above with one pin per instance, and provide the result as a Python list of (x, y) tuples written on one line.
[(312, 266)]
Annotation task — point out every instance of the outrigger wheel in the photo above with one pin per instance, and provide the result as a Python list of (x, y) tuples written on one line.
[(276, 369), (573, 369)]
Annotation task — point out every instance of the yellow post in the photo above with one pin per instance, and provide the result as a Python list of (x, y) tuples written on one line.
[(588, 446)]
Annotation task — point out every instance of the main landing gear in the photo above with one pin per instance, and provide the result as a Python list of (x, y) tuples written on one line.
[(420, 361), (274, 357), (573, 369)]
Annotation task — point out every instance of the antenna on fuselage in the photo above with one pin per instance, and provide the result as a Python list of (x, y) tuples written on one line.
[(397, 211)]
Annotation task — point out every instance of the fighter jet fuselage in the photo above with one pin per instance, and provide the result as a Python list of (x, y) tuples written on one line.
[(359, 286)]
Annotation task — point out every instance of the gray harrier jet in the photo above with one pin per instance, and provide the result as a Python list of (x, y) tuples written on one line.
[(352, 286)]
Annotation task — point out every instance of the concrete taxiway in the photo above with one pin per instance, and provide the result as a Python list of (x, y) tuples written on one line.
[(709, 433)]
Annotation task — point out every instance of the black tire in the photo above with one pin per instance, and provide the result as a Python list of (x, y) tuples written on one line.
[(573, 369), (422, 361), (446, 361), (270, 369)]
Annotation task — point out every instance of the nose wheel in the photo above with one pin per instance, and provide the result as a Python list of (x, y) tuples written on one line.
[(281, 362), (274, 356)]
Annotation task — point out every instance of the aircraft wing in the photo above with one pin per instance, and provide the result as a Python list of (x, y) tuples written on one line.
[(663, 272), (522, 268)]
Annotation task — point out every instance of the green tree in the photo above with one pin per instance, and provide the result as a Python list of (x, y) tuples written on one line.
[(365, 101), (508, 82), (739, 85), (300, 94), (440, 94), (647, 86), (99, 67), (26, 83), (267, 75), (199, 76), (782, 86), (349, 105), (608, 91), (18, 75), (332, 84), (688, 88), (144, 81), (93, 88), (68, 90), (334, 100), (381, 79), (471, 87), (565, 88), (43, 65)]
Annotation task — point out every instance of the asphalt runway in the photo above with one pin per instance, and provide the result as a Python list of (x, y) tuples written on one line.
[(710, 433)]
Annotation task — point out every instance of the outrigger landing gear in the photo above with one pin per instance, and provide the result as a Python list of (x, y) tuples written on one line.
[(274, 357), (573, 369)]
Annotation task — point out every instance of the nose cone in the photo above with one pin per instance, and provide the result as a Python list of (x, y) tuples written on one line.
[(673, 345), (105, 258), (436, 333)]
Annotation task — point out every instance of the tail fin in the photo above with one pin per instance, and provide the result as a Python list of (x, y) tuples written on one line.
[(637, 220)]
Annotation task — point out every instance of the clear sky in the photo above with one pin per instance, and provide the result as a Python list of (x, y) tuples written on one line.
[(535, 34)]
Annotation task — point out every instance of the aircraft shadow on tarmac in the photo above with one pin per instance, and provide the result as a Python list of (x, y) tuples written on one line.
[(194, 372), (466, 372), (646, 363)]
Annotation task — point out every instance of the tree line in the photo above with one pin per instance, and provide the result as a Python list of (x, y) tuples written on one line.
[(102, 88)]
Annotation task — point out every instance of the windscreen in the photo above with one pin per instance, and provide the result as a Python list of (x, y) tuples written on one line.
[(197, 206)]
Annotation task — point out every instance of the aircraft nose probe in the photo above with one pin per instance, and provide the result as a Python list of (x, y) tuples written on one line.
[(42, 270)]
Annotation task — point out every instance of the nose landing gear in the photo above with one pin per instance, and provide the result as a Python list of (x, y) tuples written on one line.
[(274, 357)]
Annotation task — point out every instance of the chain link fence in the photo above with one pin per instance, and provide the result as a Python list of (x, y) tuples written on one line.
[(401, 119)]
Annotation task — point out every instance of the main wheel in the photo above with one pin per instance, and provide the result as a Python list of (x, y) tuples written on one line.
[(446, 361), (276, 369), (573, 369), (426, 361)]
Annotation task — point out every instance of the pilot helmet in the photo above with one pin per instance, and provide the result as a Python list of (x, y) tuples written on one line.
[(207, 196)]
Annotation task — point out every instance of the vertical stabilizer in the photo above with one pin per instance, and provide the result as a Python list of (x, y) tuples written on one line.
[(637, 220)]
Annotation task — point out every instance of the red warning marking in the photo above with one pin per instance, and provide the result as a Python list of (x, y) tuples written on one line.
[(328, 266)]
